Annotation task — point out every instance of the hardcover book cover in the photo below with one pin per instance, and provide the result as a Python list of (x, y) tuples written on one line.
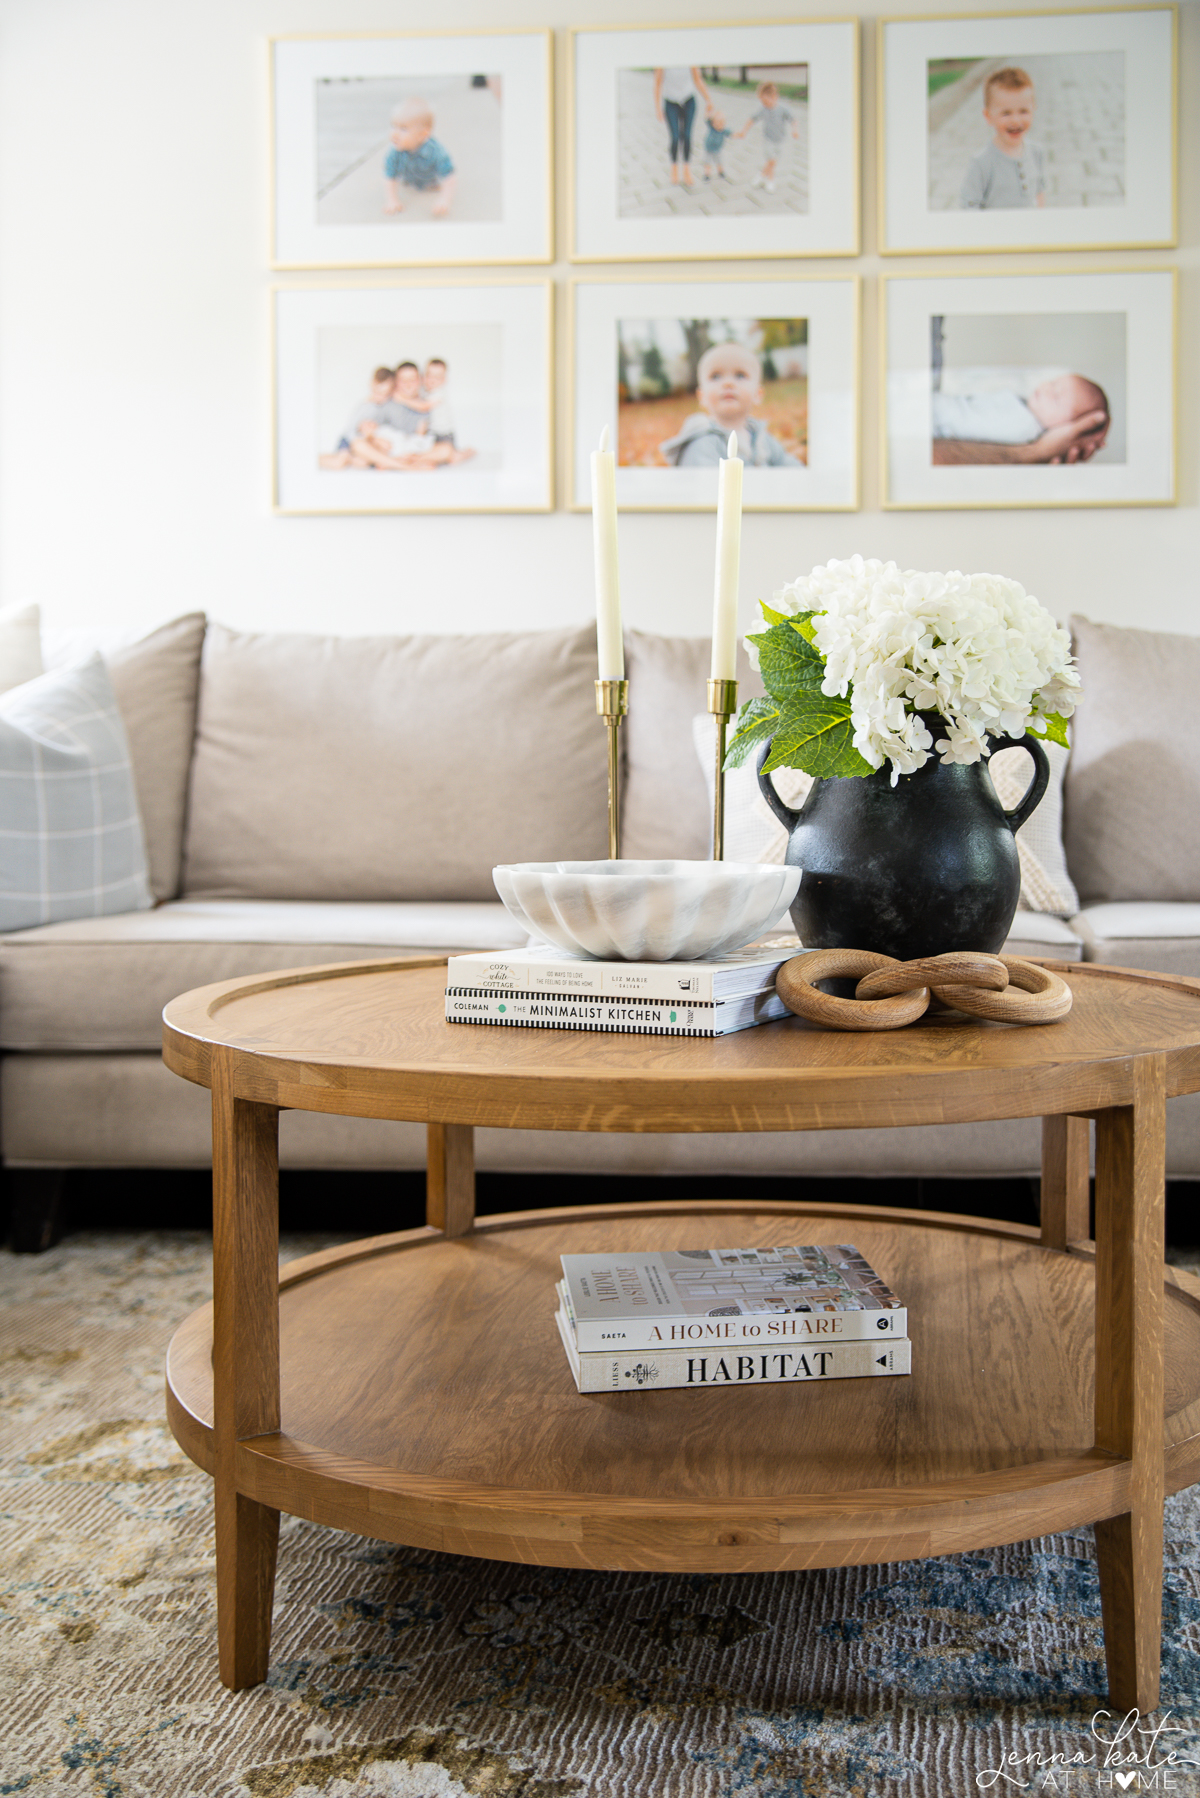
[(678, 1298), (550, 970)]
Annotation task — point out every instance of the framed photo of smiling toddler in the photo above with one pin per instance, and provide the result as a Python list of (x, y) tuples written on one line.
[(394, 149), (1028, 131), (1030, 390), (672, 368)]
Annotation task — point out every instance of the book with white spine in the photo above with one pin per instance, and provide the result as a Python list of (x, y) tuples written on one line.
[(636, 1017), (710, 1369), (777, 1329), (545, 969), (680, 1298)]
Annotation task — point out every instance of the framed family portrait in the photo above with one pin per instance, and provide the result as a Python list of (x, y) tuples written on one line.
[(392, 149), (748, 147), (673, 367), (1028, 131), (1030, 390), (414, 398)]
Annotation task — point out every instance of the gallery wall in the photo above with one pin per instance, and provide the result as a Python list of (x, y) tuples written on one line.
[(135, 382)]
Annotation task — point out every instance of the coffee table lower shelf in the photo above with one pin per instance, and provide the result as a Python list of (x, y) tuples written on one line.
[(426, 1400)]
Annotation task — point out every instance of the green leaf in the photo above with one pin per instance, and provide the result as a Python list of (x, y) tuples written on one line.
[(757, 720), (820, 740), (803, 622), (771, 615), (792, 670), (1054, 731)]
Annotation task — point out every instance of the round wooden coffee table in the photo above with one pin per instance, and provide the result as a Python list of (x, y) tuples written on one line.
[(412, 1387)]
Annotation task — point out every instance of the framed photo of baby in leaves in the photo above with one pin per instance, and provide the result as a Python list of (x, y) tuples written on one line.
[(399, 149), (1034, 131), (673, 368), (1030, 389), (714, 141)]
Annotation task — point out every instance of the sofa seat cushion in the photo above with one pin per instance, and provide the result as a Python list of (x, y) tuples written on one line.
[(1143, 933), (1039, 934), (101, 983)]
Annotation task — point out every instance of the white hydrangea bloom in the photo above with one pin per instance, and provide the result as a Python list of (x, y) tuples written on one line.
[(977, 649)]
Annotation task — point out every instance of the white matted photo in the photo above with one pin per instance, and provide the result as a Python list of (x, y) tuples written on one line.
[(1030, 390), (420, 149), (673, 367), (1028, 131), (413, 399), (714, 141)]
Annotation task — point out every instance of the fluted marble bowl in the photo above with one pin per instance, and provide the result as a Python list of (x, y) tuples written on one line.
[(647, 911)]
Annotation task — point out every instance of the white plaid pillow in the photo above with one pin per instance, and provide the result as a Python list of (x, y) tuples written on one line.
[(70, 835)]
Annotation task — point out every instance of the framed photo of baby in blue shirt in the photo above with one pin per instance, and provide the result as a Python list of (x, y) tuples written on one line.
[(1028, 131), (411, 150)]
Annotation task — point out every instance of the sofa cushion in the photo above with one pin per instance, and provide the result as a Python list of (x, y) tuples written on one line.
[(101, 983), (1040, 934), (385, 768), (71, 846), (156, 682), (1143, 934), (20, 645), (1133, 784), (665, 810)]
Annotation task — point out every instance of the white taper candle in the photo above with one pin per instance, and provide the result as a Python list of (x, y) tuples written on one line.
[(610, 651), (729, 543)]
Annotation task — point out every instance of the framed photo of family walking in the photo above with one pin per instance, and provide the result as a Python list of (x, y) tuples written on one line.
[(714, 140), (1028, 131), (413, 398), (1030, 389), (395, 149), (673, 367)]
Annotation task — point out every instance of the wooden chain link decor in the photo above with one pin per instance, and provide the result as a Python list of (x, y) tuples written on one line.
[(891, 993)]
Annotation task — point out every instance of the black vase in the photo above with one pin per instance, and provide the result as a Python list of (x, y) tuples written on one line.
[(920, 868)]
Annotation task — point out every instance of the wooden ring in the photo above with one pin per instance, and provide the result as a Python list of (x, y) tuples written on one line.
[(964, 967), (796, 984), (1041, 997)]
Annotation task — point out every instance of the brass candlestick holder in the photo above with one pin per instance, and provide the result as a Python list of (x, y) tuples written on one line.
[(722, 703), (612, 703)]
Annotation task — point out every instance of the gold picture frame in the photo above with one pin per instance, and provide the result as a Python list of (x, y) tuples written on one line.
[(599, 230), (829, 305), (938, 192), (329, 336), (324, 142), (1055, 313)]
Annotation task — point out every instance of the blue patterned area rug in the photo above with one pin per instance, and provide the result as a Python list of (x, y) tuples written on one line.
[(399, 1673)]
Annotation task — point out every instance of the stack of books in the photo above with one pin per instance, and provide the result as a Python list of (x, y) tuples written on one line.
[(547, 989), (728, 1317)]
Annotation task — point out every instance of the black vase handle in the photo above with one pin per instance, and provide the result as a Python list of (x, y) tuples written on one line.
[(1037, 786), (766, 786)]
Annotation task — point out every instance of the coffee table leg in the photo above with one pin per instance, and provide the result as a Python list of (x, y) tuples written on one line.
[(1065, 1207), (1130, 1177), (450, 1178), (245, 1366)]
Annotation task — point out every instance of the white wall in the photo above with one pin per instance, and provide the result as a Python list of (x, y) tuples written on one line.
[(135, 386)]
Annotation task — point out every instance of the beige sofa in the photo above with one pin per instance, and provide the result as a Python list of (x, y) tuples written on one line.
[(312, 799)]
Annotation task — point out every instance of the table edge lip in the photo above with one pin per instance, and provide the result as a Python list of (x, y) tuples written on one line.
[(188, 1052)]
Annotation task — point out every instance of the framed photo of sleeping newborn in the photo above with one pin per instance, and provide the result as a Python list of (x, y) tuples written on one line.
[(749, 147), (1028, 131), (1030, 390), (393, 150), (413, 398), (672, 368)]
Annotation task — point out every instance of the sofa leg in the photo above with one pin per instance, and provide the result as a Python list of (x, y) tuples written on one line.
[(36, 1212)]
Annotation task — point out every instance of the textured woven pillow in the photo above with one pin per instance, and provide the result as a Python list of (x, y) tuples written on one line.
[(70, 835), (754, 834)]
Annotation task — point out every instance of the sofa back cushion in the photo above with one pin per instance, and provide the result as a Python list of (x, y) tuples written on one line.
[(665, 809), (156, 681), (391, 767), (1132, 793)]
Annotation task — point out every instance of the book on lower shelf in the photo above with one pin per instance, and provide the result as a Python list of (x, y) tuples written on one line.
[(651, 1369)]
